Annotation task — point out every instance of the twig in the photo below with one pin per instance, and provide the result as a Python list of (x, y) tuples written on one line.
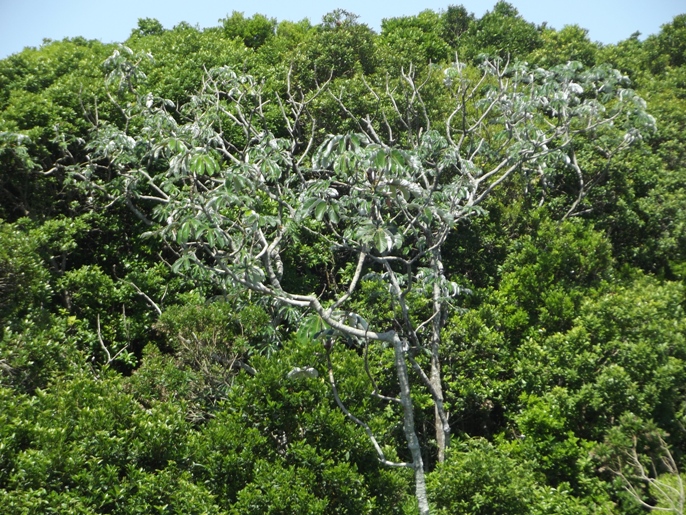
[(146, 297), (110, 358)]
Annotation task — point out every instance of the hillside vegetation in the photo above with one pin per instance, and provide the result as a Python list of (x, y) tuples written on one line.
[(283, 267)]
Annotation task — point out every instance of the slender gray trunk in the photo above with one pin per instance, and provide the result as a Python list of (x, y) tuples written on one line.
[(441, 425), (442, 436), (408, 426)]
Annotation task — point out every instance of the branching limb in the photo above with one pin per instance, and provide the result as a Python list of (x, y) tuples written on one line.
[(438, 400), (139, 214), (670, 493), (353, 283), (376, 390), (110, 358), (367, 429), (145, 296)]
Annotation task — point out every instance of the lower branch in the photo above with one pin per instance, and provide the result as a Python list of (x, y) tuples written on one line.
[(367, 429), (376, 390), (110, 358), (671, 494)]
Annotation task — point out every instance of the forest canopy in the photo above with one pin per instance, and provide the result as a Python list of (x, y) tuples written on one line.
[(285, 267)]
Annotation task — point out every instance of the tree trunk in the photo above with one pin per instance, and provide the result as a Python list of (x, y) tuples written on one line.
[(442, 436), (408, 426), (441, 422)]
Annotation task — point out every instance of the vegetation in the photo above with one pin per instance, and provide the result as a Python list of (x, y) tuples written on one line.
[(284, 267)]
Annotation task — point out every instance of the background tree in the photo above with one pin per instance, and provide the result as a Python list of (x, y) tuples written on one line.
[(500, 32), (253, 32)]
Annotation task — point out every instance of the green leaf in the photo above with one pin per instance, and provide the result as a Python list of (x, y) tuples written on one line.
[(382, 240), (320, 209), (334, 214), (380, 160)]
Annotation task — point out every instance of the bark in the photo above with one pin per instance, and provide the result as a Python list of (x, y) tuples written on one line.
[(442, 436), (441, 422), (408, 426)]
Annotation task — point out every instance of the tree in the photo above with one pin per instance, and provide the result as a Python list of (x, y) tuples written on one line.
[(667, 49), (213, 182), (41, 92), (148, 27), (637, 453), (338, 47), (569, 44), (23, 280), (479, 478), (501, 32), (254, 32), (414, 39), (456, 20)]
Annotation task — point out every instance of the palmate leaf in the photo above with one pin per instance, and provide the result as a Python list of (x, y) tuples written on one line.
[(271, 169), (334, 213), (236, 181), (190, 229), (248, 271), (323, 155), (176, 145), (313, 327), (307, 206), (378, 158), (183, 263), (323, 208), (320, 201), (203, 164), (427, 278), (178, 165), (406, 188), (336, 146), (383, 239)]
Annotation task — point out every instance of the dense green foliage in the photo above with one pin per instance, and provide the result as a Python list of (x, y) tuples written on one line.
[(129, 386)]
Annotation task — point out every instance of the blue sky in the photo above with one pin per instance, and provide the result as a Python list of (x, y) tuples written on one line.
[(26, 22)]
